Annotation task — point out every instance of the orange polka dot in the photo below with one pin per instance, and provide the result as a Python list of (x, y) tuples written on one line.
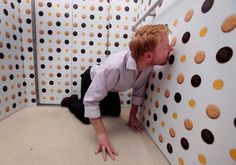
[(202, 159), (218, 84), (232, 153), (203, 31), (183, 58), (192, 103)]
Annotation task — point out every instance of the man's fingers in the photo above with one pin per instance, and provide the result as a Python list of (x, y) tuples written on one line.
[(104, 153), (98, 150), (110, 153)]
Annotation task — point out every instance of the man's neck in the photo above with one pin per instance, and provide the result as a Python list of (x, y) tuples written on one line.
[(142, 65)]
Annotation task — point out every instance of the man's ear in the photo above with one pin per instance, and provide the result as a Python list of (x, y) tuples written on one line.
[(148, 55)]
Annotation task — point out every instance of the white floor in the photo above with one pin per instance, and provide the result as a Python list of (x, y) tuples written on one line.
[(48, 135)]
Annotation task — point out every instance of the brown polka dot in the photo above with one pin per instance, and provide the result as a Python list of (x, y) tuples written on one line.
[(90, 59), (118, 8), (82, 67), (117, 35), (160, 138), (229, 23), (41, 31), (167, 93), (75, 24), (7, 109), (28, 11), (40, 4), (58, 14), (92, 8), (1, 44), (43, 82), (31, 67), (149, 112), (199, 57), (4, 78), (188, 15), (58, 41), (51, 98), (213, 111), (91, 34), (8, 35), (75, 51), (180, 78), (51, 75), (42, 58), (29, 40), (5, 1), (13, 96), (188, 124), (172, 132), (49, 23), (50, 50), (67, 6), (173, 41), (33, 92), (157, 104)]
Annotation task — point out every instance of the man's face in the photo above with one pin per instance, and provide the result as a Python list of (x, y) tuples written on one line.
[(161, 53)]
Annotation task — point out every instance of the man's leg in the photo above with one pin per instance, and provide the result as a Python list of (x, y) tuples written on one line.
[(110, 105), (77, 107)]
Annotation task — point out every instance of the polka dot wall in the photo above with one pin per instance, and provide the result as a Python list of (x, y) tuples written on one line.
[(189, 107), (12, 86), (122, 17), (54, 36), (28, 57), (90, 32)]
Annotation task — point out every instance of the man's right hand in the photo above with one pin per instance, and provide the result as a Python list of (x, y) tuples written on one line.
[(105, 147)]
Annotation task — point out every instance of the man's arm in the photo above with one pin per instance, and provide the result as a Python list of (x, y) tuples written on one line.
[(133, 121), (104, 144)]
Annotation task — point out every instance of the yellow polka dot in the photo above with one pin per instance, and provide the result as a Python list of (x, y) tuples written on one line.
[(183, 58), (175, 22), (202, 159), (153, 130), (232, 153), (174, 115), (162, 123), (218, 84), (181, 161), (169, 76), (203, 31), (192, 103)]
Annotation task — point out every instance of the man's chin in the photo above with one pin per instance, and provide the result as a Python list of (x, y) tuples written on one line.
[(164, 63)]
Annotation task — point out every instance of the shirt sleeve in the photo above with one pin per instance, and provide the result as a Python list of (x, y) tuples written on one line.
[(105, 79), (139, 89)]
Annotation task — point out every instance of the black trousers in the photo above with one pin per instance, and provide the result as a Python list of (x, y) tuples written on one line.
[(110, 105)]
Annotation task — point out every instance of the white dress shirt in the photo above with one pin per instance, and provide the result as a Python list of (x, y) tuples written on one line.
[(117, 73)]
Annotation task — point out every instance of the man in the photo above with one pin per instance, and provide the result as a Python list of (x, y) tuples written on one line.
[(131, 68)]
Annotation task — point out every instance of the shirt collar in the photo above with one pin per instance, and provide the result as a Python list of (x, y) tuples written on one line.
[(131, 63)]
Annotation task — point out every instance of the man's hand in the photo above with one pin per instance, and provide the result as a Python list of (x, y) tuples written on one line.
[(134, 124), (105, 147)]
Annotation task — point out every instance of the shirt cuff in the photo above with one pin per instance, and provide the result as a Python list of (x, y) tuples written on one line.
[(92, 112), (137, 100)]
